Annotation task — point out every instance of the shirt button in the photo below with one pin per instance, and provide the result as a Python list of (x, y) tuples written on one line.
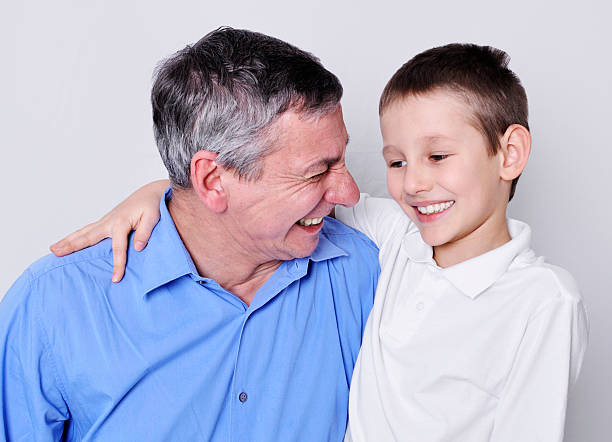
[(420, 306), (242, 397)]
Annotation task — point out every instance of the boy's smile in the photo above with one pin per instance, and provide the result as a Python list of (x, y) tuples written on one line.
[(441, 173)]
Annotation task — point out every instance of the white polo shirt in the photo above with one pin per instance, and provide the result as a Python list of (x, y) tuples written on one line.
[(484, 350)]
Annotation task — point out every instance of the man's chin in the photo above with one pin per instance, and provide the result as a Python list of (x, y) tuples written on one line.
[(305, 249)]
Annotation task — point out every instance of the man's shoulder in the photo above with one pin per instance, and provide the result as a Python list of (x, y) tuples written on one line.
[(342, 235), (334, 227), (53, 281), (98, 254)]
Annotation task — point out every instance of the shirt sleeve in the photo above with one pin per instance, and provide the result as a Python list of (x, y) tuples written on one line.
[(33, 407), (377, 218), (534, 401)]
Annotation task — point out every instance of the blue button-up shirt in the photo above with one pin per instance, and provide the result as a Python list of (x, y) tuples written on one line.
[(169, 355)]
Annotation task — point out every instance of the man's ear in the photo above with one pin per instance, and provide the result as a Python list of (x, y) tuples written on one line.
[(515, 149), (206, 180)]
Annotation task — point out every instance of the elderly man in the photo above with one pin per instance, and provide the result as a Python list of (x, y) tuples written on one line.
[(243, 317)]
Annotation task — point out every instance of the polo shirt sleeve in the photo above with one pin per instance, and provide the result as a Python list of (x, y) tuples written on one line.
[(33, 407), (377, 218), (534, 401)]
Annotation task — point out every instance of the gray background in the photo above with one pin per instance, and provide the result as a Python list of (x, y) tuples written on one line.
[(76, 126)]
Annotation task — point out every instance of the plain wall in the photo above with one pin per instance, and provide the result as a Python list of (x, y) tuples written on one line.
[(76, 130)]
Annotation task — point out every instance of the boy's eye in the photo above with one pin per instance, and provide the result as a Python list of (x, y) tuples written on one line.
[(438, 157), (397, 163)]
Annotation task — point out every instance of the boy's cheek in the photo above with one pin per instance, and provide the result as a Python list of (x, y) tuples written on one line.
[(394, 186)]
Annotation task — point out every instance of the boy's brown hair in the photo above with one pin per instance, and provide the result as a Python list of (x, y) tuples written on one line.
[(477, 74)]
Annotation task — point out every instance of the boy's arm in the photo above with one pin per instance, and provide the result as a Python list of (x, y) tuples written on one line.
[(533, 403), (139, 212), (375, 217), (33, 406)]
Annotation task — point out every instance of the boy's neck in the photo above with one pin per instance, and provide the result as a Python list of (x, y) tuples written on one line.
[(488, 236)]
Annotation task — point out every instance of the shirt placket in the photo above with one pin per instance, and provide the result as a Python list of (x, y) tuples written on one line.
[(422, 300), (244, 393)]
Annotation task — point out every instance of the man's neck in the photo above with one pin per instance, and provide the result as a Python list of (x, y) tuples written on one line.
[(215, 252)]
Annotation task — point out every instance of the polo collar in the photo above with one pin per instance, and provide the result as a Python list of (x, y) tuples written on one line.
[(417, 249), (474, 276)]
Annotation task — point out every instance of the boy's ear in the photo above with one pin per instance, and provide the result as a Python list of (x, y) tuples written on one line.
[(206, 180), (515, 149)]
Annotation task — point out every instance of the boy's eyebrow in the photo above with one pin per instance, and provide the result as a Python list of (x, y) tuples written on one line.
[(426, 140), (434, 139), (388, 147)]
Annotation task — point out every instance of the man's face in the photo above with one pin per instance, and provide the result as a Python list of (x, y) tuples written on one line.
[(439, 169), (279, 216)]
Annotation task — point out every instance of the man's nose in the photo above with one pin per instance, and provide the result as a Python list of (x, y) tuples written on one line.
[(416, 179), (342, 189)]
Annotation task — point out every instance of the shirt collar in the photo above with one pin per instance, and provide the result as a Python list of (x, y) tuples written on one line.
[(417, 249), (326, 249), (474, 276), (165, 258)]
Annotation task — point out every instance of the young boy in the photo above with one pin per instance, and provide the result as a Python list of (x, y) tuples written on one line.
[(472, 337)]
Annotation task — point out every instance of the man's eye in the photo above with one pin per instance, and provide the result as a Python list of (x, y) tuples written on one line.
[(319, 175), (397, 163), (438, 157)]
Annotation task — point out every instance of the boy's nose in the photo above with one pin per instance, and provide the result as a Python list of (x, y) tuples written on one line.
[(342, 189), (416, 180)]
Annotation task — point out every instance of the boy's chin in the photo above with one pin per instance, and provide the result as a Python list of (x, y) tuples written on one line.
[(433, 240), (432, 236)]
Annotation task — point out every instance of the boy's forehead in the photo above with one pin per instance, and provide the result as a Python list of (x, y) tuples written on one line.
[(430, 121), (429, 114)]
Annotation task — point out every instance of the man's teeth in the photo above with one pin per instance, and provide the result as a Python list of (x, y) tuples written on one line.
[(310, 221), (435, 208)]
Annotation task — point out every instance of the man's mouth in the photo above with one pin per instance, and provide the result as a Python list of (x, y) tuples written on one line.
[(434, 208), (309, 221)]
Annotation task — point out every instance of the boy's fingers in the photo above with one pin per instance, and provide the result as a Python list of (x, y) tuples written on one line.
[(85, 237), (144, 229), (120, 244)]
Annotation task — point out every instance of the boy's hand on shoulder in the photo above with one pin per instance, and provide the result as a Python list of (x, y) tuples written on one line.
[(139, 212)]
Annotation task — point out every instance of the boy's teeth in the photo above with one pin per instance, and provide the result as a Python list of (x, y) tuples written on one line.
[(435, 208), (309, 221)]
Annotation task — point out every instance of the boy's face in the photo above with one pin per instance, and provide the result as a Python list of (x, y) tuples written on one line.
[(440, 172)]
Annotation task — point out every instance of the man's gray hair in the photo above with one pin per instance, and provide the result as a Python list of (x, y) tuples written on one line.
[(223, 95)]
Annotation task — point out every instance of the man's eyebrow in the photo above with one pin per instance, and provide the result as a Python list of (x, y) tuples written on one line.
[(325, 162), (322, 163)]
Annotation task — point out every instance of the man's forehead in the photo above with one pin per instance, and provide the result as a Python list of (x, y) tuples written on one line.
[(308, 139), (293, 120)]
